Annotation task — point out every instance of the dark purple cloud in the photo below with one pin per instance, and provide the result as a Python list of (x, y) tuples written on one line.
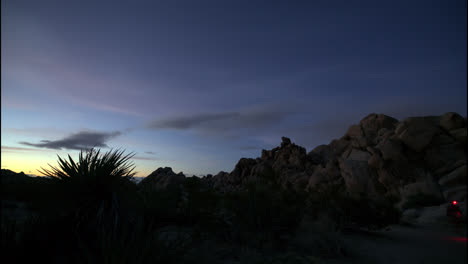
[(77, 141), (251, 119), (188, 122)]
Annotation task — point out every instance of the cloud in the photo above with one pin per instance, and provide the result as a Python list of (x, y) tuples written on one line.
[(78, 141), (252, 119), (150, 152), (144, 158), (15, 149), (188, 122)]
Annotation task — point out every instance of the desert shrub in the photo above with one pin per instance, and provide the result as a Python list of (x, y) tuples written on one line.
[(138, 242), (200, 205), (263, 214), (421, 200), (160, 207), (56, 240), (346, 210)]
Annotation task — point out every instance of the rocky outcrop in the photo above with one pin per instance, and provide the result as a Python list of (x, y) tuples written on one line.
[(11, 177), (8, 176), (162, 178), (378, 157)]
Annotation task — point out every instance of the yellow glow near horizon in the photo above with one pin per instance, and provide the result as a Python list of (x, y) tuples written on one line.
[(30, 162), (27, 162)]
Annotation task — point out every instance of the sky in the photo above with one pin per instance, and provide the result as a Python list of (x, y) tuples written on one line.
[(197, 85)]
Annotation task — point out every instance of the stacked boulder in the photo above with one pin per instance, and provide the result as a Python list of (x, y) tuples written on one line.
[(379, 157)]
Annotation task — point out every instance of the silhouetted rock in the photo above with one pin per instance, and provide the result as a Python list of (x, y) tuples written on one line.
[(9, 176), (285, 141), (162, 178), (377, 157), (452, 121)]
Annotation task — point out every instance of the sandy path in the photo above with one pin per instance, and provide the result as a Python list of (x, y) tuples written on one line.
[(421, 244)]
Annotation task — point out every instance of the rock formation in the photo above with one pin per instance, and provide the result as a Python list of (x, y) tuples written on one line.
[(378, 157), (162, 178)]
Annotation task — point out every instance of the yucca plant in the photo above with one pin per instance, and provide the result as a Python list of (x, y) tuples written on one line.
[(92, 187)]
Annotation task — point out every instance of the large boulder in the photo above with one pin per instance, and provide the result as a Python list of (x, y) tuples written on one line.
[(459, 135), (354, 132), (453, 179), (417, 132), (322, 175), (373, 123), (442, 158), (391, 149), (338, 146), (321, 154), (358, 155), (424, 186), (457, 193), (451, 121), (356, 176)]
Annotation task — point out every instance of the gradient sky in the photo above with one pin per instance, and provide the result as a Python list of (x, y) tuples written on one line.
[(196, 85)]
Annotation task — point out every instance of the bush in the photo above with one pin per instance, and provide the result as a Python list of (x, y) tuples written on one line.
[(263, 214), (349, 211), (200, 205), (160, 207)]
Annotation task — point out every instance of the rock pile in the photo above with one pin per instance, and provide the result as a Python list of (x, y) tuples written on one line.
[(378, 157)]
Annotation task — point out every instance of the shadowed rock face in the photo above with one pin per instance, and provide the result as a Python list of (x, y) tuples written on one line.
[(8, 176), (379, 156), (162, 178)]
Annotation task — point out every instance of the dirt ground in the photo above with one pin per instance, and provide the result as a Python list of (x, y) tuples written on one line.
[(408, 244), (431, 238)]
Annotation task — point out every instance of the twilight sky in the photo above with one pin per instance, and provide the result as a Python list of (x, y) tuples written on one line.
[(196, 85)]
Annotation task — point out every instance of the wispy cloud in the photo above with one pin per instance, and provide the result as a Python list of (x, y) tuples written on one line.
[(194, 121), (145, 158), (150, 152), (224, 121), (18, 149), (77, 141)]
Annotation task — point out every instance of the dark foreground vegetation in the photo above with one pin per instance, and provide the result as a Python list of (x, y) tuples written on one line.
[(90, 211)]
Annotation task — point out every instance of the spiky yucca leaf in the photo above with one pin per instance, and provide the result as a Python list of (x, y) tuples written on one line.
[(92, 187), (112, 165)]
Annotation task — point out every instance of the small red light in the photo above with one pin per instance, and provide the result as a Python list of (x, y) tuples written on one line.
[(454, 202)]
